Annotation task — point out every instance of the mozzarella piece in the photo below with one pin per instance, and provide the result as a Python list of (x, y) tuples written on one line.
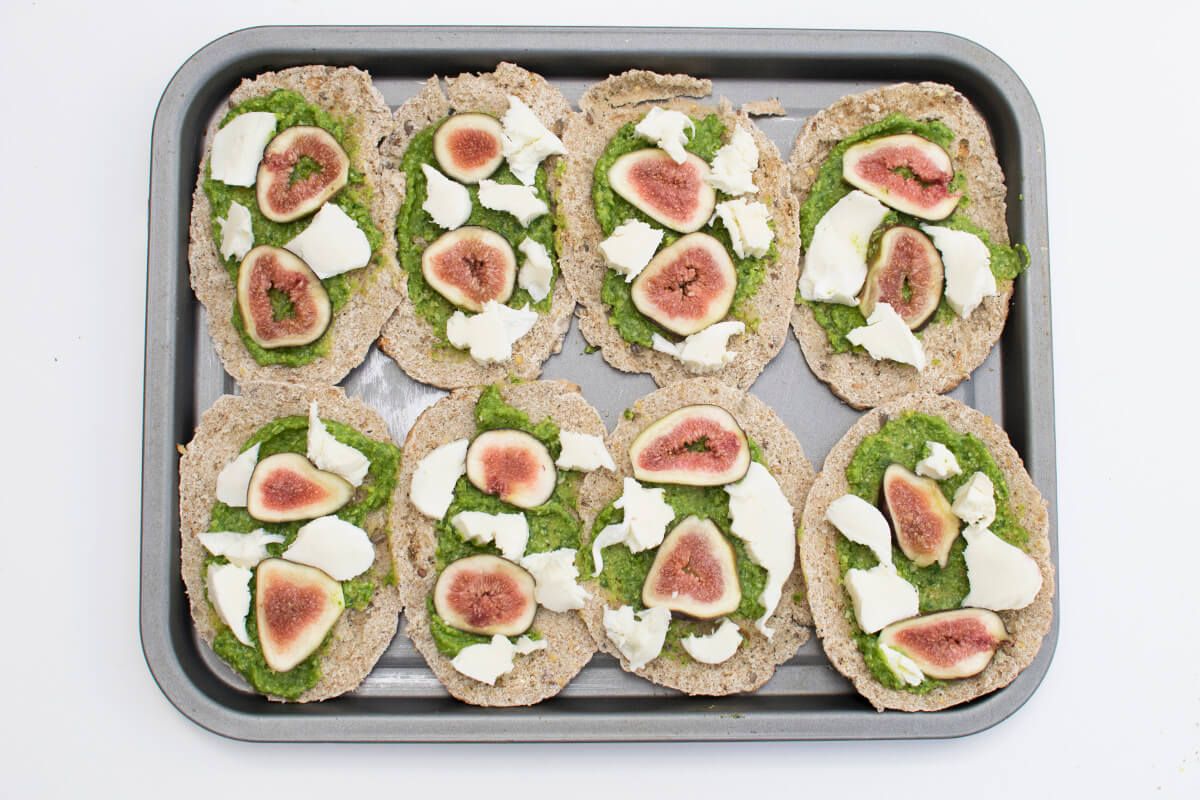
[(233, 482), (762, 518), (665, 128), (902, 666), (835, 265), (967, 260), (715, 648), (630, 248), (510, 532), (583, 451), (639, 640), (747, 226), (432, 488), (229, 593), (940, 464), (332, 243), (447, 201), (237, 235), (537, 271), (338, 548), (647, 516), (238, 147), (485, 662), (525, 141), (886, 336), (525, 645), (331, 455), (242, 549), (704, 351), (556, 579), (975, 501), (520, 201), (1001, 576), (734, 164), (490, 334), (880, 597), (862, 523)]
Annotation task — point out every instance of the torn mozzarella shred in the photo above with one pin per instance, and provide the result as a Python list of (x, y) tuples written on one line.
[(862, 523), (967, 260), (666, 129), (233, 482), (242, 549), (940, 464), (510, 532), (748, 227), (630, 247), (975, 501), (329, 454), (537, 271), (734, 164), (228, 588), (640, 640), (340, 549), (835, 263), (717, 647), (887, 336), (583, 451), (763, 518), (520, 201), (490, 334), (447, 202), (556, 579), (902, 666), (237, 234), (432, 488), (1002, 577), (525, 141), (704, 351), (647, 516), (332, 243)]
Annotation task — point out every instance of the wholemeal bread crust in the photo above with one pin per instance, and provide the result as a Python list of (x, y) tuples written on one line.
[(542, 673), (955, 349), (359, 637), (407, 337), (818, 554), (344, 91), (605, 107), (754, 663)]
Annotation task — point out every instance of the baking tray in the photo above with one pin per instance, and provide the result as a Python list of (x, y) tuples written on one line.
[(401, 700)]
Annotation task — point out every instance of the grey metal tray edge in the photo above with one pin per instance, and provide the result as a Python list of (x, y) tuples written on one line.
[(787, 54)]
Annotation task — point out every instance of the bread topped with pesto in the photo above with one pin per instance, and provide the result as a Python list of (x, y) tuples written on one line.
[(482, 297), (680, 234), (907, 271), (292, 251), (689, 550)]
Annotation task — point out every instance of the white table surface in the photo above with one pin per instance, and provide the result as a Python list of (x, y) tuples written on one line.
[(1118, 715)]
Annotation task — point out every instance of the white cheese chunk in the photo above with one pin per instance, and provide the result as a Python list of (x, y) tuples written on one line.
[(234, 479), (630, 248), (432, 488), (640, 640), (525, 645), (647, 516), (447, 201), (747, 226), (485, 662), (880, 597), (1001, 576), (886, 336), (583, 451), (237, 234), (520, 201), (510, 532), (734, 164), (715, 648), (940, 464), (332, 243), (967, 261), (242, 549), (338, 548), (556, 579), (238, 147), (331, 455), (490, 334), (666, 129), (835, 265), (704, 351), (525, 141), (975, 501), (863, 523), (762, 518), (229, 593), (537, 271), (902, 666)]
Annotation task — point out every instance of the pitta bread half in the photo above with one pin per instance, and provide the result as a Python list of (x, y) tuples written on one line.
[(407, 337), (605, 107), (754, 662), (342, 91), (359, 637), (828, 598), (955, 349)]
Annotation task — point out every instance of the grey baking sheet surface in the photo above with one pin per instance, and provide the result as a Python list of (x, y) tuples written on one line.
[(401, 700)]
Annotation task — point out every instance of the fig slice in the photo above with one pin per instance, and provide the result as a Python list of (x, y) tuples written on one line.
[(470, 266), (512, 465), (948, 644), (694, 572), (924, 523), (287, 487), (688, 286), (469, 147), (485, 594), (271, 277), (905, 171), (282, 195), (295, 606), (700, 445), (907, 274), (675, 195)]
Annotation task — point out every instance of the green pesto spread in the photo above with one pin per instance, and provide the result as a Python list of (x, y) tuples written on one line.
[(291, 109), (415, 230), (902, 441), (290, 435), (613, 210)]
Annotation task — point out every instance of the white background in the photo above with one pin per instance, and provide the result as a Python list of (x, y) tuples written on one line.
[(1119, 712)]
